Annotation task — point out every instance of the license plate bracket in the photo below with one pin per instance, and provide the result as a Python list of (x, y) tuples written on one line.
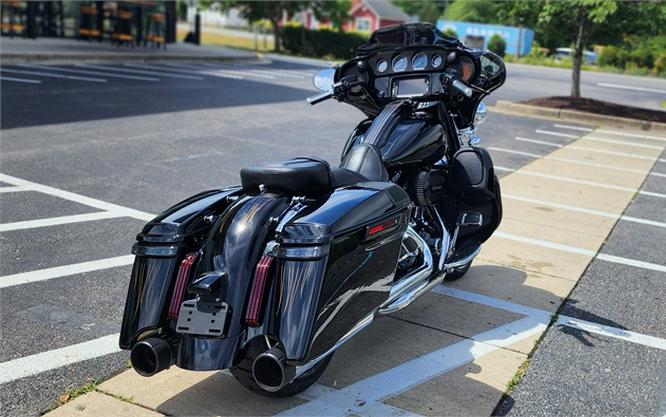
[(202, 318)]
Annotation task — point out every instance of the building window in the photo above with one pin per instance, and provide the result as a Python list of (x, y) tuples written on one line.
[(363, 24)]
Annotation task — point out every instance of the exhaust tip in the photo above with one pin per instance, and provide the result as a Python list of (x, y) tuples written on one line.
[(151, 356), (271, 372)]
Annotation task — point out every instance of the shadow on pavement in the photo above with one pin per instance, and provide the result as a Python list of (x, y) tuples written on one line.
[(67, 101)]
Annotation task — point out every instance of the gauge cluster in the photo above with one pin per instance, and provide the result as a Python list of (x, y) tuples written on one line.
[(406, 62)]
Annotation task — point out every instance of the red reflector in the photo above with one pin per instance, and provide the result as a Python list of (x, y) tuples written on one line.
[(253, 313), (373, 230), (181, 282)]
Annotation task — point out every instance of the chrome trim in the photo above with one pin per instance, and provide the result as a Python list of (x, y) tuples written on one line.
[(416, 277), (406, 298), (462, 262), (365, 322)]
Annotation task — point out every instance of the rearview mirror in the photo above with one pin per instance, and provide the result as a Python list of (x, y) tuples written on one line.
[(324, 79)]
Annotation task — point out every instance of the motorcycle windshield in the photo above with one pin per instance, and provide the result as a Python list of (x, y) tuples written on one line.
[(411, 34)]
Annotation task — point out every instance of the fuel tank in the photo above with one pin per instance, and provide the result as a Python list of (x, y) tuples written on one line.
[(410, 142)]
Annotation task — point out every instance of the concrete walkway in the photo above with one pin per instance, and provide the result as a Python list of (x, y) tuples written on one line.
[(20, 50)]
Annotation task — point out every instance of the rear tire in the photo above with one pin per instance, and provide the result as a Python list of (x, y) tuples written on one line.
[(243, 374), (457, 273)]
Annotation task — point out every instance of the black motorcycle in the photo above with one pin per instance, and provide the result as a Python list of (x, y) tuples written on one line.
[(269, 278)]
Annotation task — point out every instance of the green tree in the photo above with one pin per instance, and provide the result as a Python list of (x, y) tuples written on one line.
[(479, 11), (273, 10), (336, 11), (427, 10), (581, 14), (497, 44)]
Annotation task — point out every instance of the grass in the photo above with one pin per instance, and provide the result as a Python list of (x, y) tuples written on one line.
[(663, 104), (231, 41), (520, 373), (68, 396)]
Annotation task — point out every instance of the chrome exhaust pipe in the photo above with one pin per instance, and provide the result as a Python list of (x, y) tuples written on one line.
[(151, 356), (271, 371)]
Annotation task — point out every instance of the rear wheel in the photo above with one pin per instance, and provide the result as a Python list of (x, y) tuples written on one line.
[(243, 373)]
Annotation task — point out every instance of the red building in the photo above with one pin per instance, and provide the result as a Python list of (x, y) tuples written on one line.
[(364, 16), (370, 15)]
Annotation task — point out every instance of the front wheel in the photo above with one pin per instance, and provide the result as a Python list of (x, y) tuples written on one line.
[(243, 374)]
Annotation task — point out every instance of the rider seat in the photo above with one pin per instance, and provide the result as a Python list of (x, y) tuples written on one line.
[(307, 175)]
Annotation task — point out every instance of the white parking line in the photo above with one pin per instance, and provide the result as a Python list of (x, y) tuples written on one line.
[(351, 400), (558, 134), (583, 210), (581, 251), (14, 189), (52, 75), (582, 182), (539, 142), (613, 132), (78, 198), (593, 139), (243, 73), (64, 271), (632, 87), (80, 71), (53, 359), (161, 70), (585, 325), (198, 70), (136, 71), (54, 221), (19, 80), (571, 161)]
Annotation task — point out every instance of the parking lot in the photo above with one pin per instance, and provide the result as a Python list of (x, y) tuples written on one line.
[(90, 152)]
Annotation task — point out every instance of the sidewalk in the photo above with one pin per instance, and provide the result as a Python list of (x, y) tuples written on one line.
[(55, 50)]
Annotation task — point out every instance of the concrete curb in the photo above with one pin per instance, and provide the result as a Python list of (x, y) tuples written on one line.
[(503, 106), (13, 58)]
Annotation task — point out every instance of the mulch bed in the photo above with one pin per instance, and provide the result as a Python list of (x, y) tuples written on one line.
[(599, 107)]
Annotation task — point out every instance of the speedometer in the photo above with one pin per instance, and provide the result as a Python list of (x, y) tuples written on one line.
[(400, 63), (419, 61)]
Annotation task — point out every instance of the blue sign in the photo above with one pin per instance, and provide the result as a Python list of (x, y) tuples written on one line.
[(477, 35)]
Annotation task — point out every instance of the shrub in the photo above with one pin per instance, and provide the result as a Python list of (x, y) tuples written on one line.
[(321, 43), (660, 65), (497, 44)]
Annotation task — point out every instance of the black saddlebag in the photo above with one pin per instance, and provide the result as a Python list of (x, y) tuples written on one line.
[(473, 182), (161, 248), (337, 261)]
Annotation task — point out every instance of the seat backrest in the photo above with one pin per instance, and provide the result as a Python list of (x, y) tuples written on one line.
[(367, 161)]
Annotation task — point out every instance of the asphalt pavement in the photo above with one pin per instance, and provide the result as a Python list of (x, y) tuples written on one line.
[(143, 137)]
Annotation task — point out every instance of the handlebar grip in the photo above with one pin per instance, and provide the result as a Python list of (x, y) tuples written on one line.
[(460, 87), (320, 97)]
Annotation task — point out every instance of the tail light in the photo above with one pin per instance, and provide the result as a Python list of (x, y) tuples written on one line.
[(253, 312), (181, 282)]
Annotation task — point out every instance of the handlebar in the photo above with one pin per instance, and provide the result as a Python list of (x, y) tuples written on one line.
[(460, 87), (320, 97)]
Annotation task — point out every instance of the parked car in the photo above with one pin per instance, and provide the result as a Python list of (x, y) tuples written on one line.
[(589, 57)]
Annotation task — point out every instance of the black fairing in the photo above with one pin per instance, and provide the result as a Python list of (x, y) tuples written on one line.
[(412, 141), (161, 245)]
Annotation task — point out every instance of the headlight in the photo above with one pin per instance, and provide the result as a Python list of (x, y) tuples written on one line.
[(481, 114)]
